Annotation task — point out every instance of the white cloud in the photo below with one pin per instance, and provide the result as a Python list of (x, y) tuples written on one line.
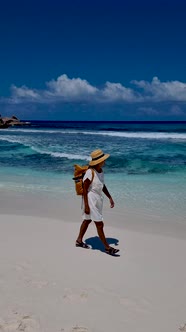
[(65, 89), (162, 91), (24, 92), (117, 92)]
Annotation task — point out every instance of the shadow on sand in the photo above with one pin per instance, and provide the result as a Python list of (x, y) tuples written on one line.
[(96, 244)]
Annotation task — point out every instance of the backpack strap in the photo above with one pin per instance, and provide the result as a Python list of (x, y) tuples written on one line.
[(92, 175)]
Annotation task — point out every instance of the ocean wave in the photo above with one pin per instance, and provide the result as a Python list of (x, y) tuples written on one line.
[(11, 140), (18, 130), (153, 135), (69, 156), (61, 154), (134, 134)]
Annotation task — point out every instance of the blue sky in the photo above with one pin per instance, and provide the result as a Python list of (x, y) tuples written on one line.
[(93, 60)]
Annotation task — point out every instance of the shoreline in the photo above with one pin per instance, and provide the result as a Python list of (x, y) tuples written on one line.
[(67, 207), (154, 197)]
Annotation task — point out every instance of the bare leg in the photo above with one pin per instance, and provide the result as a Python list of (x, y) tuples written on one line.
[(99, 226), (83, 230)]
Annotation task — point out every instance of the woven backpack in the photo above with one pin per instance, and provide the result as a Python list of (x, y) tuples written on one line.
[(79, 172)]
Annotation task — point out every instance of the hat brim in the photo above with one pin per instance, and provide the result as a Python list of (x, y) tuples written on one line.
[(98, 161)]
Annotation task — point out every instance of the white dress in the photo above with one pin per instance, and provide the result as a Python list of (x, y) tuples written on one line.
[(95, 196)]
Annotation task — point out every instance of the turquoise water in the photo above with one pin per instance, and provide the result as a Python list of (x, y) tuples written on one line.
[(146, 169), (144, 149)]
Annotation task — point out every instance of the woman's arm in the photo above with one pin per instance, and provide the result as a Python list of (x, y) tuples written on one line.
[(86, 185), (106, 192)]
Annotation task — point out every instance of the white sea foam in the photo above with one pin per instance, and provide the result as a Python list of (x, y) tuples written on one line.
[(61, 154), (40, 151), (144, 135), (35, 131), (12, 140), (18, 140), (152, 135)]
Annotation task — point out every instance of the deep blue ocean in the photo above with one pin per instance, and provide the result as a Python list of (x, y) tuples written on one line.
[(147, 164)]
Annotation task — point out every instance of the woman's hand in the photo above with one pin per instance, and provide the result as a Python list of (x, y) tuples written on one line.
[(106, 192), (87, 209), (111, 202)]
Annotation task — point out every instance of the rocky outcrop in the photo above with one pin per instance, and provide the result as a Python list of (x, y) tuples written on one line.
[(6, 122)]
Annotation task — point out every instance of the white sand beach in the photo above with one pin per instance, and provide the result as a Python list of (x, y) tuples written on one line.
[(49, 285)]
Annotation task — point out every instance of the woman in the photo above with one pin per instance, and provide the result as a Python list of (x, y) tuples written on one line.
[(93, 187)]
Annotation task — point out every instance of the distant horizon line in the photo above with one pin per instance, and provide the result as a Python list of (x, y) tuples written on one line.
[(112, 121)]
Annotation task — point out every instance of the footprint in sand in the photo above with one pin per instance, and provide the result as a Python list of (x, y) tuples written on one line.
[(138, 305), (75, 296), (36, 283), (22, 267), (24, 323), (76, 329), (182, 328)]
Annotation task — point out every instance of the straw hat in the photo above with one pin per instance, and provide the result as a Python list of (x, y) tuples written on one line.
[(97, 157)]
